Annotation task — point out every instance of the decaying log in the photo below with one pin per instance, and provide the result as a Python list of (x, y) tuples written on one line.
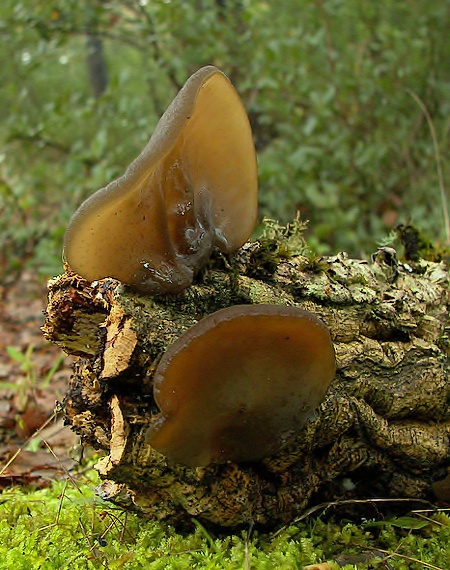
[(382, 430)]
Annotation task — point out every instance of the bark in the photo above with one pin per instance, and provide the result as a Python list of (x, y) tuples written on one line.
[(382, 430)]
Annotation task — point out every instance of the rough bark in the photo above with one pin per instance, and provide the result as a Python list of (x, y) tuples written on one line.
[(382, 430)]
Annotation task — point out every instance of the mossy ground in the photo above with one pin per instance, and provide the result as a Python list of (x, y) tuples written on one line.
[(67, 526)]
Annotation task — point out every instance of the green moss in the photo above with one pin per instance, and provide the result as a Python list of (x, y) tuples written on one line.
[(67, 526), (416, 245)]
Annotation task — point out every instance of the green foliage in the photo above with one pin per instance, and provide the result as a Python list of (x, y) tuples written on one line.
[(339, 138), (66, 526), (30, 382), (327, 86)]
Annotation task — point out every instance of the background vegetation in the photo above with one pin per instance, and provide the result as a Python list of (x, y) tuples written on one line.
[(329, 86), (337, 92)]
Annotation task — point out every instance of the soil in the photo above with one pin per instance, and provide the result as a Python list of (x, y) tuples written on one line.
[(35, 446)]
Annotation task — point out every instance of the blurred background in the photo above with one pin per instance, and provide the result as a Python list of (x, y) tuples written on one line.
[(349, 102), (344, 98)]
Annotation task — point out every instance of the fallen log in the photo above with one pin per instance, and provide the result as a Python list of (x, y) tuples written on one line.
[(381, 431)]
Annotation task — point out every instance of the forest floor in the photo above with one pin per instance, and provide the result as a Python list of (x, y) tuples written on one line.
[(36, 450), (34, 444)]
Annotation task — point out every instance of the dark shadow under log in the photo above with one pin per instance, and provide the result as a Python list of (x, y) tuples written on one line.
[(382, 430)]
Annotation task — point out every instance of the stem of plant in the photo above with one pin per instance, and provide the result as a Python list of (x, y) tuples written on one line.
[(437, 155)]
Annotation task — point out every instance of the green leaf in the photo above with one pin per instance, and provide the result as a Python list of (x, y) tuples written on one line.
[(15, 354), (409, 523), (406, 522)]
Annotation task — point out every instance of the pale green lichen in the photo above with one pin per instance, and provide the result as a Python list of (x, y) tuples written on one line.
[(289, 239)]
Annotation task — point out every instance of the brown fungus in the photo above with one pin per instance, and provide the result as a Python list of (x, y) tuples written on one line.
[(240, 383), (192, 187)]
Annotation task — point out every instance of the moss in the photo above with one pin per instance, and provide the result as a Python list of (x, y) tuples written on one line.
[(67, 526), (277, 243), (417, 246)]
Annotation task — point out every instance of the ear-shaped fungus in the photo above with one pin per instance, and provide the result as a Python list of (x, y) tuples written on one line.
[(240, 383), (193, 186)]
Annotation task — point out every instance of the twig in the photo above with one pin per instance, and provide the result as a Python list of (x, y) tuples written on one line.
[(19, 451), (326, 506), (408, 558)]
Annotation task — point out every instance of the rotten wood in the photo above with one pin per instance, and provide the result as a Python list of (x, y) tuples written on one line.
[(382, 430)]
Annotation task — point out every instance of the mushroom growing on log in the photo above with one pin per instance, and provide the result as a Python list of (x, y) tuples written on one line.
[(240, 383), (192, 187), (384, 423), (382, 429)]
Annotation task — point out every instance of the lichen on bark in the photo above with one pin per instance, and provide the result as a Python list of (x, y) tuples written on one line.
[(382, 430)]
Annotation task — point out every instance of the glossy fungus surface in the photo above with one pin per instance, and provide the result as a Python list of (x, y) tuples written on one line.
[(193, 186), (240, 383)]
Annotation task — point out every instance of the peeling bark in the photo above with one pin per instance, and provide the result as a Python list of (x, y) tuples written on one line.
[(382, 430)]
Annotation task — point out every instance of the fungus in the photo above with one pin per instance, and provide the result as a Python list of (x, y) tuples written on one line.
[(192, 187), (240, 383)]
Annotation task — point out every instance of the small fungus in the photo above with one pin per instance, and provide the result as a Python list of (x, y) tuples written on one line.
[(192, 187), (240, 383)]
